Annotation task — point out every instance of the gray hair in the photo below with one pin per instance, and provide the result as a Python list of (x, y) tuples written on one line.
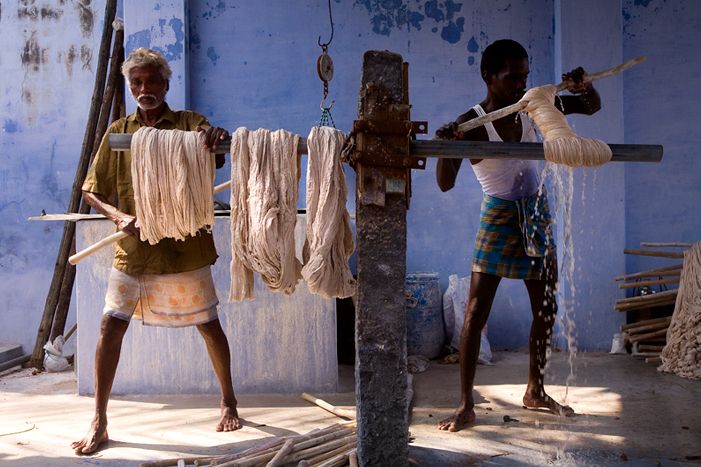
[(146, 57)]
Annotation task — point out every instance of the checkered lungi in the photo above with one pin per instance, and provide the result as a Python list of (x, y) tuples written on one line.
[(514, 237)]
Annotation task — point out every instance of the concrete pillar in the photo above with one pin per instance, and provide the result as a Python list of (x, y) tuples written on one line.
[(381, 204)]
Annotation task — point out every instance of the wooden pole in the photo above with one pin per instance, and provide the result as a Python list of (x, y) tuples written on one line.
[(520, 105), (381, 204), (666, 244), (76, 192), (661, 272), (647, 322), (650, 335), (647, 283), (64, 301), (115, 237), (344, 413), (659, 254), (649, 327)]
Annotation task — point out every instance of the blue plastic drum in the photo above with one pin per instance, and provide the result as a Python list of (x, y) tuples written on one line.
[(424, 314)]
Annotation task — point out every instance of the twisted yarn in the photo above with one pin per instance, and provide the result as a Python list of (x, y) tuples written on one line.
[(264, 189), (329, 241), (560, 144), (682, 353), (173, 178)]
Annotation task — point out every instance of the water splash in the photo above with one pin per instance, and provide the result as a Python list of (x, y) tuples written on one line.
[(561, 182)]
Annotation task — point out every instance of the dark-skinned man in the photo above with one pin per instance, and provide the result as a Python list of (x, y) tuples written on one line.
[(513, 203), (169, 283)]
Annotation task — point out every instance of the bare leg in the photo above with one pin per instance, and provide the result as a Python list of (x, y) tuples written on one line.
[(483, 288), (109, 346), (544, 308), (218, 349)]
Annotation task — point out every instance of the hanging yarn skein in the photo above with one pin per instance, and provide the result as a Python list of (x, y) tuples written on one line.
[(264, 181), (329, 241), (173, 178), (560, 144), (682, 353)]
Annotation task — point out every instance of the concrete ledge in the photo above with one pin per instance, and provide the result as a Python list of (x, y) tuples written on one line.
[(279, 344)]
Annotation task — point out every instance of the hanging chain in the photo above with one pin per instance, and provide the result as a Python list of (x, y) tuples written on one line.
[(324, 66)]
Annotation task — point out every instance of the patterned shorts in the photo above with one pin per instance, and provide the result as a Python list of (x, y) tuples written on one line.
[(169, 300), (500, 245)]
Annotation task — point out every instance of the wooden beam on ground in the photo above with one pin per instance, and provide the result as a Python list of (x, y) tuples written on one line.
[(381, 205)]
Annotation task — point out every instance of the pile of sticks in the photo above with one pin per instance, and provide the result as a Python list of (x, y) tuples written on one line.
[(648, 336), (332, 446)]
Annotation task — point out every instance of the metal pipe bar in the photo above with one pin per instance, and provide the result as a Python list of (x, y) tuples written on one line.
[(524, 151), (464, 149), (122, 142)]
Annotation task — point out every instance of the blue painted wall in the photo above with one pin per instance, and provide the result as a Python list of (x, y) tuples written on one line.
[(254, 64), (662, 103)]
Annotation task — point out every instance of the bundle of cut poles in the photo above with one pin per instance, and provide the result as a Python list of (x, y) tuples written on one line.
[(107, 103), (648, 336), (334, 445)]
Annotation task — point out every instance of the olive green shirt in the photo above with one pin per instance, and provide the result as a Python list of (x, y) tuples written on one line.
[(110, 176)]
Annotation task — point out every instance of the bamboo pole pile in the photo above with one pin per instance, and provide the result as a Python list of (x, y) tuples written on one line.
[(648, 336), (105, 102), (332, 446)]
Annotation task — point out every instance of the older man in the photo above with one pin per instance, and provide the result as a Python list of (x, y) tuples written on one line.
[(169, 283), (513, 204)]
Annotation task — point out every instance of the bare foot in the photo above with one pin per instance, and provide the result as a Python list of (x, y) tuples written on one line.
[(93, 440), (548, 403), (229, 419), (460, 419)]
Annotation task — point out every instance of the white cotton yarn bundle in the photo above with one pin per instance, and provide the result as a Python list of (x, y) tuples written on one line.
[(682, 353), (264, 190), (329, 241), (173, 179), (560, 144)]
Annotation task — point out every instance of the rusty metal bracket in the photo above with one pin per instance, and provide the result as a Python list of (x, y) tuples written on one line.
[(387, 143)]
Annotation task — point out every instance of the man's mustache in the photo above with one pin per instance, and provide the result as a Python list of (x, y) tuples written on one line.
[(146, 96)]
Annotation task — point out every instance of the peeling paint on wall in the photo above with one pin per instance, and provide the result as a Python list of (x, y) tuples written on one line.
[(86, 57), (86, 17), (172, 29), (215, 10), (70, 58), (212, 55), (33, 56), (386, 15), (10, 126)]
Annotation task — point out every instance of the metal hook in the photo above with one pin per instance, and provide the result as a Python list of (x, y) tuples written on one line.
[(325, 46), (321, 104)]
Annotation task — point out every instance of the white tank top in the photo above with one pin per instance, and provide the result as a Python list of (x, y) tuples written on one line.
[(510, 179)]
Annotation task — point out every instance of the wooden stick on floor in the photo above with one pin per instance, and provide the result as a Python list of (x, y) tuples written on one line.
[(343, 413)]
